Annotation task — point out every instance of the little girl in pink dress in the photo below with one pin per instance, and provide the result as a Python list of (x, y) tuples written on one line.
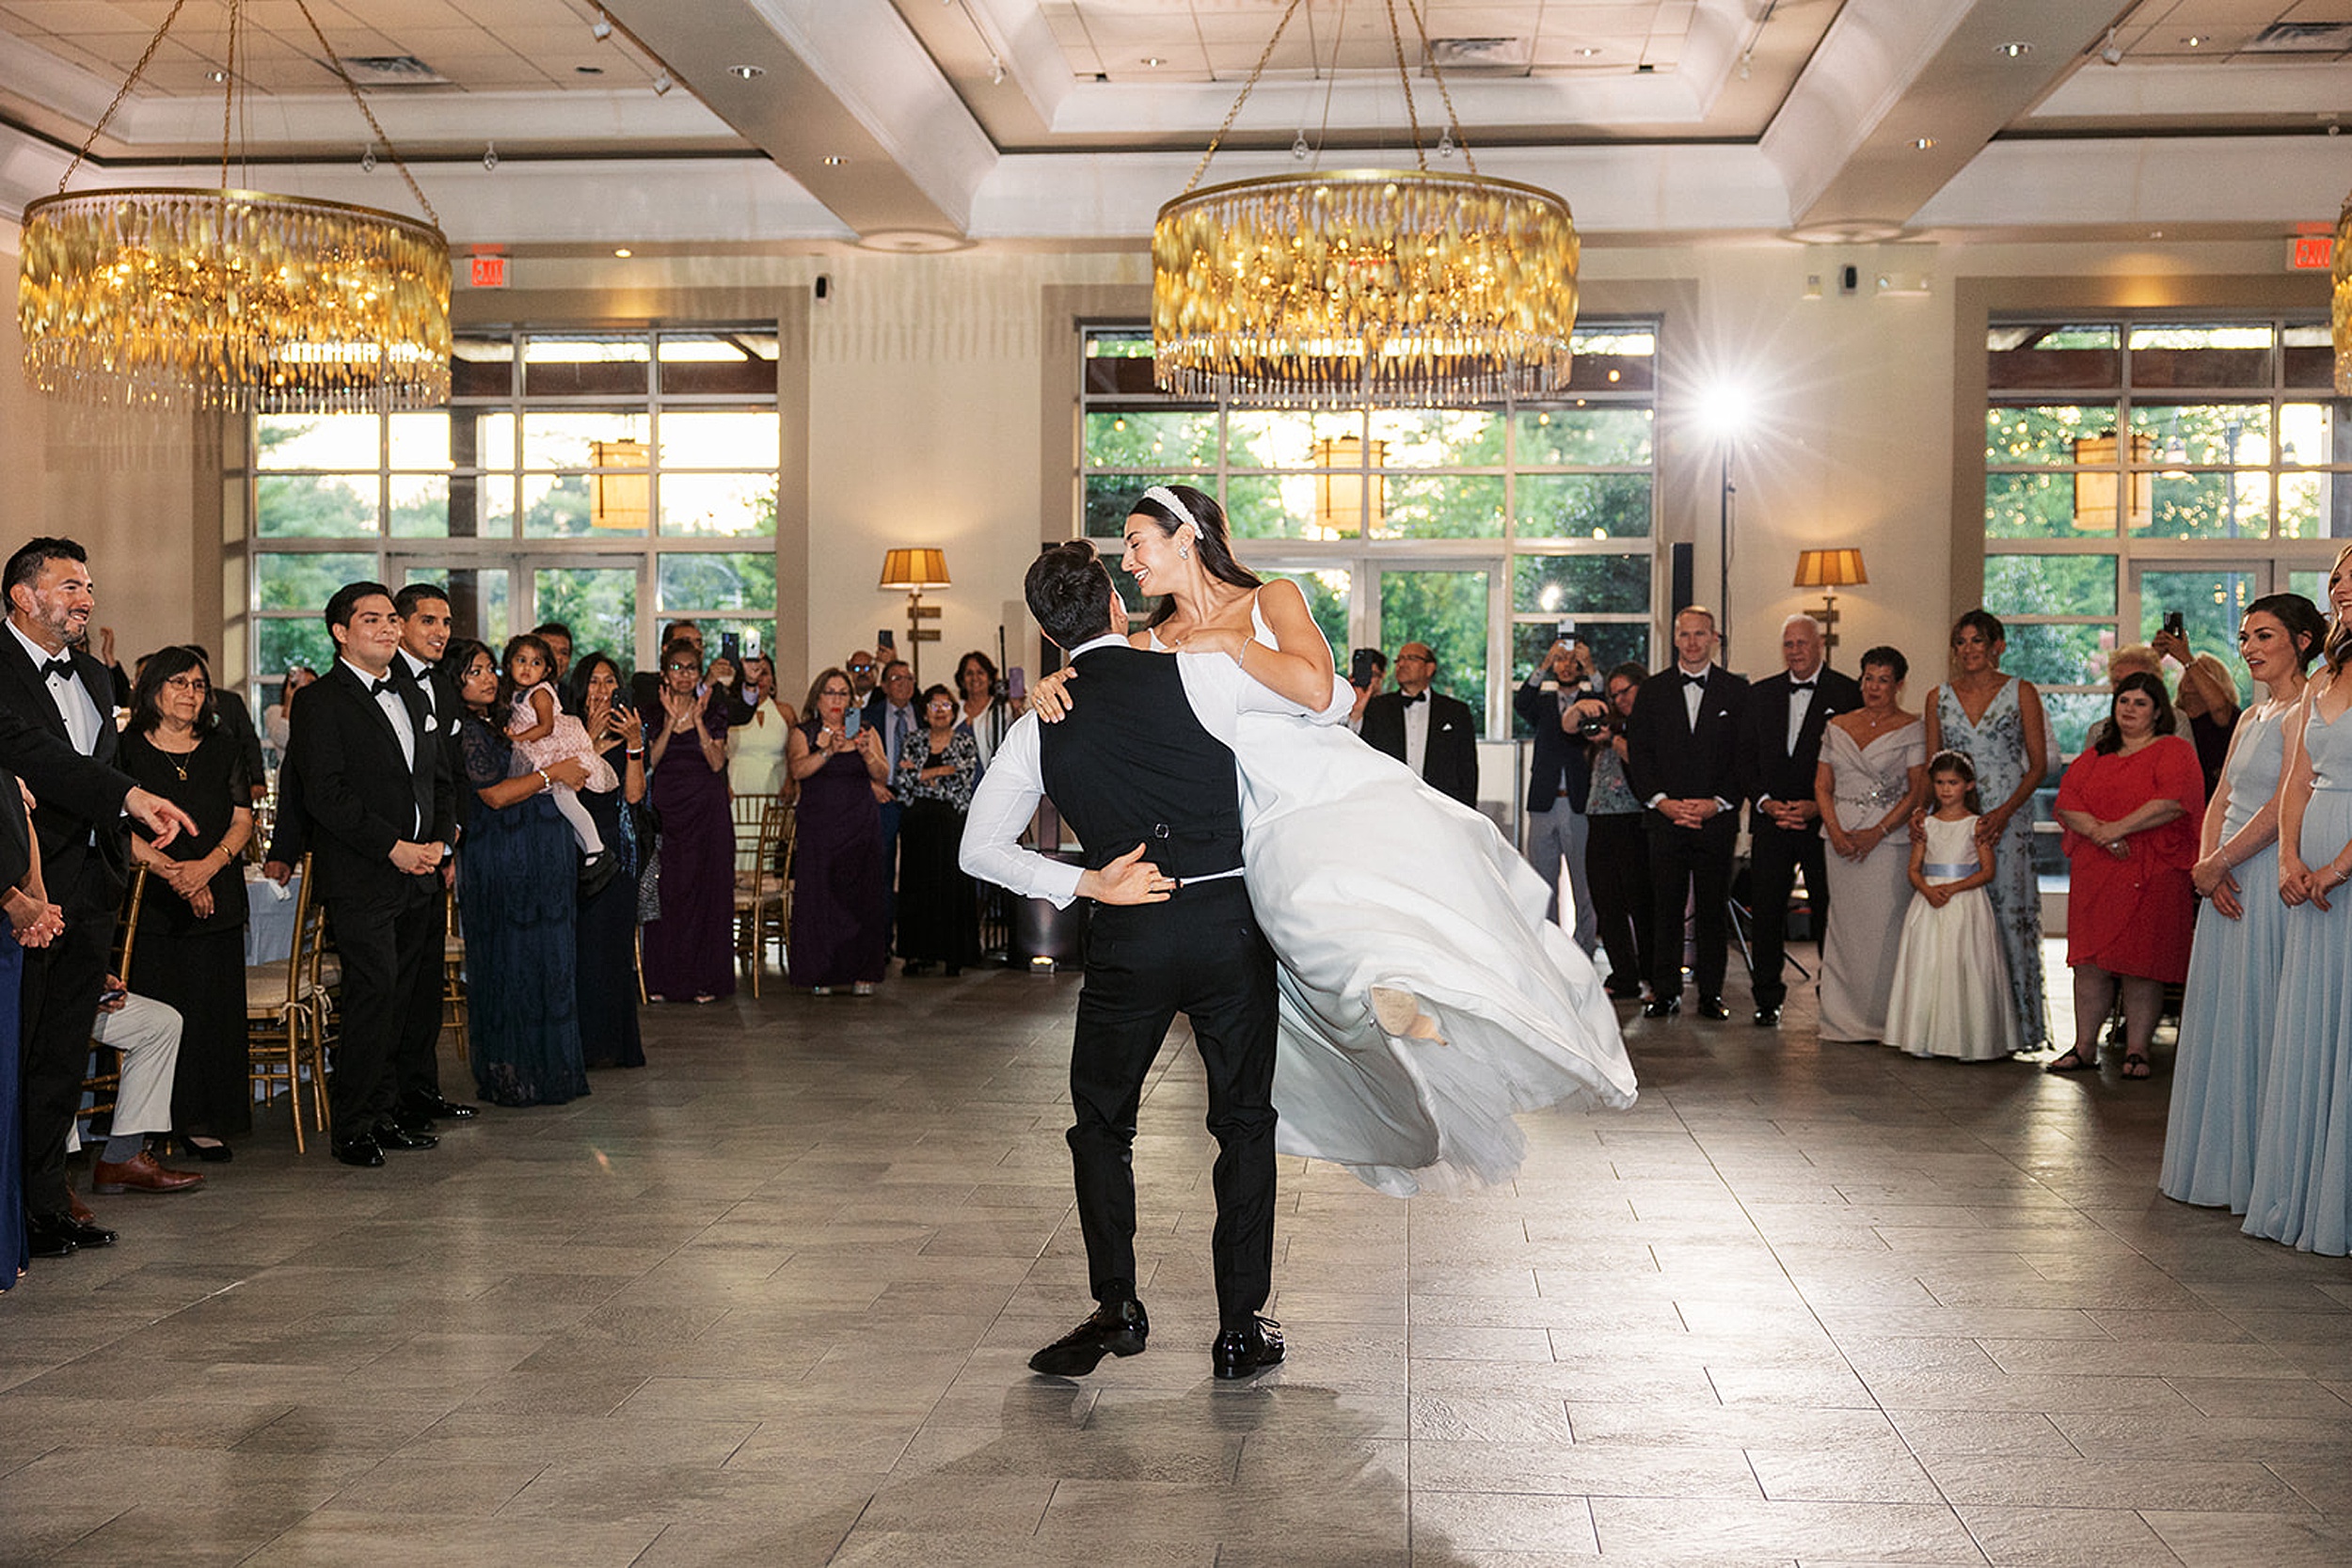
[(543, 734)]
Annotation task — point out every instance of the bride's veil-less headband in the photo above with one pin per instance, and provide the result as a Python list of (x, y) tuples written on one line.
[(1168, 497)]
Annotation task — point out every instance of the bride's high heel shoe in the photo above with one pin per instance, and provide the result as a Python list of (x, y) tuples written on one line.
[(1399, 1013)]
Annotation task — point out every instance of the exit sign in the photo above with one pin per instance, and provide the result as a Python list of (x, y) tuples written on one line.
[(489, 272), (2311, 253)]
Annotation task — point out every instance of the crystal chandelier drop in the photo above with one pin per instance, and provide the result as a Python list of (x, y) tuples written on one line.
[(1383, 287), (232, 299)]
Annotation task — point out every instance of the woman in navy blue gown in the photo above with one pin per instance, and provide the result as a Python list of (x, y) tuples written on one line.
[(516, 887), (605, 933), (32, 921)]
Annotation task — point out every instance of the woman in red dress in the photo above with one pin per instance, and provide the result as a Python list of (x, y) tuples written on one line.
[(2130, 808)]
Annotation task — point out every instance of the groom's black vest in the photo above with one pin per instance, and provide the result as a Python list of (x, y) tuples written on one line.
[(1132, 764)]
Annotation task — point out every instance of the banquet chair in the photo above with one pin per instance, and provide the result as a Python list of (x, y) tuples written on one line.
[(760, 894), (286, 1017)]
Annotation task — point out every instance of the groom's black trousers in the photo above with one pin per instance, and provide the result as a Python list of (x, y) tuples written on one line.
[(1203, 955)]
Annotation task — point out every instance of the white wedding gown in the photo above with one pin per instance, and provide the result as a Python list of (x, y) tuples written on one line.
[(1363, 876)]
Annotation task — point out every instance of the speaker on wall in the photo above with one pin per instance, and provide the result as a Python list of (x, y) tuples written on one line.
[(1679, 593)]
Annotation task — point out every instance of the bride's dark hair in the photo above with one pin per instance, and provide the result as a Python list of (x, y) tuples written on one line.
[(1216, 554)]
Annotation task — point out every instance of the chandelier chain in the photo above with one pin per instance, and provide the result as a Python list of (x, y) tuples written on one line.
[(1247, 88), (1453, 120), (228, 88), (122, 92), (1412, 119), (335, 61)]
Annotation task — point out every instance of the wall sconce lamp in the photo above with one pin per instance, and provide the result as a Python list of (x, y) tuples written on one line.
[(1829, 570), (916, 570)]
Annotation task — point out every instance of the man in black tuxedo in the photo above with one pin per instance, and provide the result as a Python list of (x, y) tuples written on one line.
[(425, 628), (1142, 764), (1681, 764), (58, 732), (1560, 775), (1434, 734), (1780, 743), (379, 808)]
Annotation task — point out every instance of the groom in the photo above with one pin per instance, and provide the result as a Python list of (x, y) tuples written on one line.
[(1143, 766)]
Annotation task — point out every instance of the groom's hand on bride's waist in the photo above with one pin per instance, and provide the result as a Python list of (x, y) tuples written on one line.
[(1128, 879)]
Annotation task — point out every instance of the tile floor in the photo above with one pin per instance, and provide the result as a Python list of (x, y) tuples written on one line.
[(769, 1302)]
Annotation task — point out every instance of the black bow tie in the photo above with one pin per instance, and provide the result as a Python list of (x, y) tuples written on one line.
[(1414, 697), (1800, 686), (377, 687), (1695, 680), (52, 668)]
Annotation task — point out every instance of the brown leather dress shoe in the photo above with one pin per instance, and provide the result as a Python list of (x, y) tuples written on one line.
[(77, 1211), (140, 1174)]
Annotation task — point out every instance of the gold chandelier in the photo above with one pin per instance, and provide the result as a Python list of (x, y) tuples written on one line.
[(1363, 286), (2343, 315), (233, 299)]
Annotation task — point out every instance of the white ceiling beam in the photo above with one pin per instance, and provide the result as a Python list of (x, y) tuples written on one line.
[(2131, 185)]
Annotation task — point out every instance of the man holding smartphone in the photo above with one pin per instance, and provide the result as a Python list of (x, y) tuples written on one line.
[(1557, 702)]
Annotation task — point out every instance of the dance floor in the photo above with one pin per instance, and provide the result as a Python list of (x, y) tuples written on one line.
[(769, 1300)]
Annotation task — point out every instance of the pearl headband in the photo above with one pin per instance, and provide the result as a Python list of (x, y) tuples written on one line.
[(1169, 499)]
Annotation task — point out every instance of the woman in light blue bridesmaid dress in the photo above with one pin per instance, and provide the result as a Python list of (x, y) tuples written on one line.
[(2233, 993), (2302, 1190)]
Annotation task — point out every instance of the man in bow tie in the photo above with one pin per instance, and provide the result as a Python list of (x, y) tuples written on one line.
[(1680, 763), (1434, 734), (1780, 743)]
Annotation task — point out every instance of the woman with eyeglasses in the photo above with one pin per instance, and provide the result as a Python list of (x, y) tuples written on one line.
[(838, 936), (690, 952), (190, 950)]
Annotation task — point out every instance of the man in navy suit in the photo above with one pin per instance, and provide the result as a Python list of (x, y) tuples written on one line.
[(58, 734), (1434, 734), (1780, 744), (1680, 763), (380, 809), (1560, 774)]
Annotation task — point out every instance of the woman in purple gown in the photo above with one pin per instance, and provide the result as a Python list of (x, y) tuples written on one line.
[(690, 952), (837, 928)]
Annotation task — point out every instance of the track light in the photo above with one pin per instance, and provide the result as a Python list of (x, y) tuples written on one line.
[(601, 28), (2113, 53), (661, 83)]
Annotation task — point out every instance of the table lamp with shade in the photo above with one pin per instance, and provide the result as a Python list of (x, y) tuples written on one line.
[(915, 570), (1829, 570)]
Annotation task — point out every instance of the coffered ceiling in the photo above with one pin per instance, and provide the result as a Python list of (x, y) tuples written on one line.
[(924, 124)]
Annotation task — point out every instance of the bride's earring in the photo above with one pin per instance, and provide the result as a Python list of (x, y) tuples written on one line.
[(1183, 555)]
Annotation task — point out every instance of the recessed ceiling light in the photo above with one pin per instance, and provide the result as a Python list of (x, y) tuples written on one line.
[(748, 72), (217, 75), (2194, 41), (1923, 143), (1589, 49), (622, 252), (589, 69), (834, 160), (1153, 61), (2014, 50)]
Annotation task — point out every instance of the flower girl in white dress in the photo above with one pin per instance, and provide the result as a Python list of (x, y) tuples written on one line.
[(1951, 988)]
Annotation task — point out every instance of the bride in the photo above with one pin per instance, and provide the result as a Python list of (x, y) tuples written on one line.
[(1424, 997)]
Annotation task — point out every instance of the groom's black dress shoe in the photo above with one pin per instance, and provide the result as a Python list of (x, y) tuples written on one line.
[(1240, 1352), (1666, 1007), (1713, 1009), (1116, 1328), (1767, 1018)]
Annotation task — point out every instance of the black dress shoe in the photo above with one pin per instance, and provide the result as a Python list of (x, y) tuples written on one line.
[(1116, 1328), (82, 1233), (596, 874), (1666, 1008), (438, 1109), (1713, 1009), (1241, 1351), (45, 1240), (391, 1134), (214, 1153), (1767, 1018), (361, 1152)]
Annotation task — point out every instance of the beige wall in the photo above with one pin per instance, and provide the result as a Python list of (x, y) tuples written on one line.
[(934, 399)]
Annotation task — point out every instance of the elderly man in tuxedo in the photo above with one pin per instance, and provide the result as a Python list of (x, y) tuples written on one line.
[(1780, 744), (1681, 764), (1434, 734)]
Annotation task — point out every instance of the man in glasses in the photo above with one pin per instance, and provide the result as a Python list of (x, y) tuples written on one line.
[(862, 671)]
